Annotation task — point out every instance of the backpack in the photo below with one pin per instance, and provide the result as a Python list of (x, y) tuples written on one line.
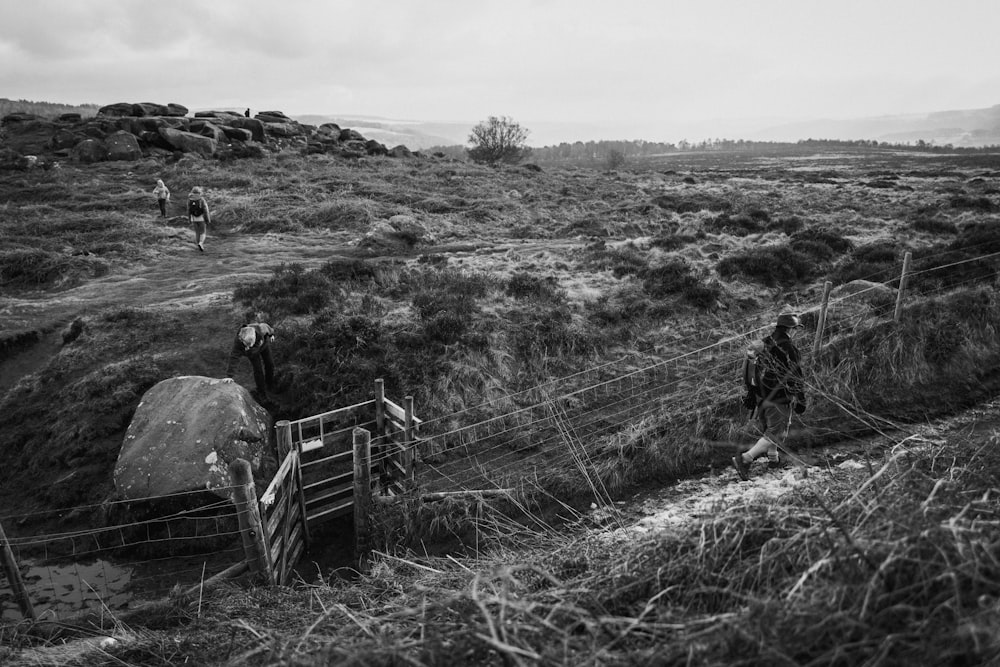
[(765, 372), (196, 208)]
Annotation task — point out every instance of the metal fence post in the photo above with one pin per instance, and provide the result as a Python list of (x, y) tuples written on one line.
[(14, 577)]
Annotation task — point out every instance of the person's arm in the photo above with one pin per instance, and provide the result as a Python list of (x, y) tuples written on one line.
[(204, 205), (234, 357)]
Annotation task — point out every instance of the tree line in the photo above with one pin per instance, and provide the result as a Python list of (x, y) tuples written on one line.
[(45, 109)]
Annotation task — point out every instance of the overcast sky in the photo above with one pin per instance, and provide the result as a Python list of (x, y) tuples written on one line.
[(628, 63)]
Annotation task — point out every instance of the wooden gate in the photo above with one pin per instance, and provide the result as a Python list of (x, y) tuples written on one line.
[(315, 480)]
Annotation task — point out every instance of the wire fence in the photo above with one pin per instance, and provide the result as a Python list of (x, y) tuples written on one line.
[(142, 551), (147, 550), (599, 402)]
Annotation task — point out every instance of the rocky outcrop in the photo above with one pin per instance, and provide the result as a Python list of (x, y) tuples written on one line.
[(159, 130), (185, 433)]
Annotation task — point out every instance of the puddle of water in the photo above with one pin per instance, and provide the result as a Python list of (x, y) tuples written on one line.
[(66, 590)]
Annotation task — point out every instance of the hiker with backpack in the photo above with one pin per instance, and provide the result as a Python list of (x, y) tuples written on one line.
[(253, 341), (162, 195), (773, 376), (198, 216)]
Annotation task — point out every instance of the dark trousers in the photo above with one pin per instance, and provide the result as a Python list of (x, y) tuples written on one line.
[(263, 369), (163, 207)]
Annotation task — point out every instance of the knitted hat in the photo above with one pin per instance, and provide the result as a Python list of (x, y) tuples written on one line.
[(789, 320), (247, 336)]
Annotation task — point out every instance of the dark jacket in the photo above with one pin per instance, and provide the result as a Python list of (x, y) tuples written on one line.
[(264, 335), (781, 372)]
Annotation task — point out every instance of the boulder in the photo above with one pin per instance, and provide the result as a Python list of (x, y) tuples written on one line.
[(255, 126), (176, 109), (64, 138), (330, 128), (207, 128), (373, 147), (70, 118), (116, 110), (149, 109), (282, 129), (89, 151), (272, 117), (123, 146), (237, 134), (18, 117), (188, 142), (185, 433), (401, 151), (348, 134)]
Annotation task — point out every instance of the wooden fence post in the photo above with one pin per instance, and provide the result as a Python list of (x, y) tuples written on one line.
[(284, 429), (362, 493), (902, 286), (822, 318), (255, 548), (14, 577), (408, 439), (384, 472)]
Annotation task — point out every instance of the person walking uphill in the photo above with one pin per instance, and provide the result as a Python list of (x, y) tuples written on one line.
[(253, 341), (779, 391), (162, 197), (198, 216)]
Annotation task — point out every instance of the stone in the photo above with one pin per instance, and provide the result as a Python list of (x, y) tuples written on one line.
[(149, 109), (237, 134), (70, 118), (348, 134), (176, 109), (123, 146), (272, 117), (185, 433), (89, 151), (401, 151), (373, 147), (116, 110), (64, 138), (18, 117), (188, 142), (330, 128), (207, 129), (281, 129), (255, 127)]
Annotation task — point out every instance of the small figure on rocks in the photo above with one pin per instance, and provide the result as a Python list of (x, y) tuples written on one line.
[(198, 215), (162, 197), (779, 391), (247, 112), (253, 341)]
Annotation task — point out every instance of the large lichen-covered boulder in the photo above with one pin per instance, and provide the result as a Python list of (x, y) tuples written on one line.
[(89, 151), (185, 433)]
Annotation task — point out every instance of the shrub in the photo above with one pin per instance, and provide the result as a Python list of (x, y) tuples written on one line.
[(788, 225), (933, 225), (498, 139), (877, 262), (672, 241), (738, 225), (771, 265), (523, 285), (291, 290), (832, 240)]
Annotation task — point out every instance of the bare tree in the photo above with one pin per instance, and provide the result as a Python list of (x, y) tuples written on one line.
[(498, 140)]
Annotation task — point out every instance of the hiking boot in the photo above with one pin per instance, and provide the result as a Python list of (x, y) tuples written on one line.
[(741, 468), (201, 247)]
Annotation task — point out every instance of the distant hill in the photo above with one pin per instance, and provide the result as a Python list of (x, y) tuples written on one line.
[(970, 127), (414, 134)]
